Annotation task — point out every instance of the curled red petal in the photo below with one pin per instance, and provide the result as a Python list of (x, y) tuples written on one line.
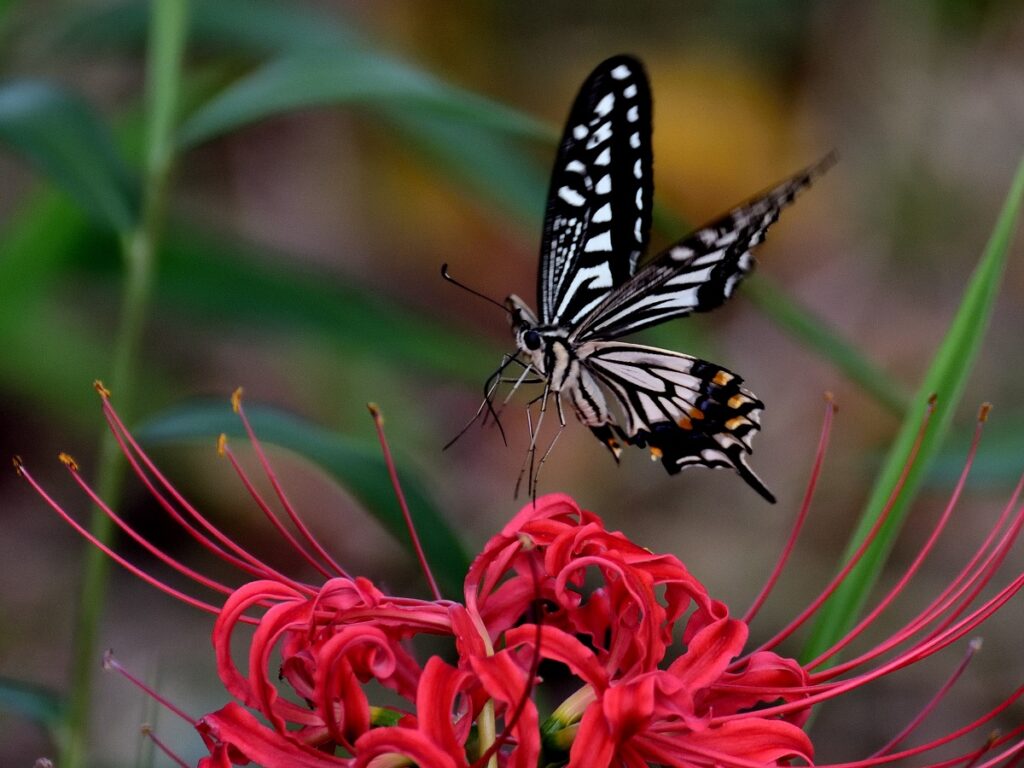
[(338, 696), (506, 682), (235, 736), (240, 601), (708, 654), (561, 646), (408, 742), (444, 705)]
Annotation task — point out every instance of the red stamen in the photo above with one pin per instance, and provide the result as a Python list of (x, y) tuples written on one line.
[(915, 565), (110, 663), (805, 506), (224, 449), (378, 422), (989, 567), (147, 731), (137, 537), (918, 652), (947, 598), (152, 581), (236, 403), (973, 647), (241, 559), (833, 585)]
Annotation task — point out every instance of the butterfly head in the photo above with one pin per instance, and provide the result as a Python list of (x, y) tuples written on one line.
[(543, 345)]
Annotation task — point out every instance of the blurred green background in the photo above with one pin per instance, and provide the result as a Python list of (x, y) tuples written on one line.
[(327, 157)]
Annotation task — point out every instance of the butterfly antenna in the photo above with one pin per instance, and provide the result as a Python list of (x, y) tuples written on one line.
[(463, 286)]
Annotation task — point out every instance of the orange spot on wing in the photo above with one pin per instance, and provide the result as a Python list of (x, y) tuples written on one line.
[(722, 378)]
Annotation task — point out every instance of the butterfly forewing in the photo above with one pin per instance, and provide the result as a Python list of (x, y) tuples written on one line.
[(599, 203), (687, 411), (699, 272)]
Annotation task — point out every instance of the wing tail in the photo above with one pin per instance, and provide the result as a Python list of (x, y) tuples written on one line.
[(687, 412)]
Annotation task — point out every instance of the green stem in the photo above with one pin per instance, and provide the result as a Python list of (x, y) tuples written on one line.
[(168, 24)]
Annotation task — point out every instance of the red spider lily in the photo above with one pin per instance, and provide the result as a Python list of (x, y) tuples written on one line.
[(658, 672)]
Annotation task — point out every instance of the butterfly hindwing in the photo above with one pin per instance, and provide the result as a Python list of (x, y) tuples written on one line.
[(685, 410), (699, 272), (598, 214)]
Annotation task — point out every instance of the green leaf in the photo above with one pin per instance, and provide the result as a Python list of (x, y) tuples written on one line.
[(65, 140), (357, 465), (34, 702), (222, 281), (225, 26), (349, 76), (946, 378), (492, 165)]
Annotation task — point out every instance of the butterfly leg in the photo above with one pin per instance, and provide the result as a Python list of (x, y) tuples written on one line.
[(547, 451), (531, 453)]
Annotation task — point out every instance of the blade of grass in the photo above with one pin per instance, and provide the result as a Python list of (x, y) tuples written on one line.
[(946, 378), (61, 136), (348, 76), (239, 26), (357, 465)]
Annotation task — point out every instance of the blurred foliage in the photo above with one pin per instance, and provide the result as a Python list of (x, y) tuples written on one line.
[(458, 166)]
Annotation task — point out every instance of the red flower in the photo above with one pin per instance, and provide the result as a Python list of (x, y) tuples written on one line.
[(652, 669)]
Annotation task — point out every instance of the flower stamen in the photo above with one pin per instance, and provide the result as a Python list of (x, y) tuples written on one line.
[(147, 731), (805, 506), (236, 404), (926, 549), (111, 664), (85, 533), (378, 423)]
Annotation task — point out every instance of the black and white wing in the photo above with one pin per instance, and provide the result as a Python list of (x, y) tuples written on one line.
[(686, 411), (699, 272), (599, 203)]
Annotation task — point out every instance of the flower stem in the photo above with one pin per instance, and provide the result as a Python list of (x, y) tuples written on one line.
[(168, 24)]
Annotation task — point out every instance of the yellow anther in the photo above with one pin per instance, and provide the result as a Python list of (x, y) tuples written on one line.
[(68, 461), (984, 411), (101, 390), (222, 444), (236, 399), (18, 464)]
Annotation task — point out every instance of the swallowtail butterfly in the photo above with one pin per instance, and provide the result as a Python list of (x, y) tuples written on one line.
[(686, 411)]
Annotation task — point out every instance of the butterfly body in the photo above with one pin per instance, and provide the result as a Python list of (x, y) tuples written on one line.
[(592, 289)]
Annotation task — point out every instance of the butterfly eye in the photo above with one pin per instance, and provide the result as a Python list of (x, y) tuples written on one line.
[(532, 340)]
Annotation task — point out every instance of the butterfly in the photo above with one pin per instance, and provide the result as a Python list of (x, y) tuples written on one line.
[(685, 411)]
